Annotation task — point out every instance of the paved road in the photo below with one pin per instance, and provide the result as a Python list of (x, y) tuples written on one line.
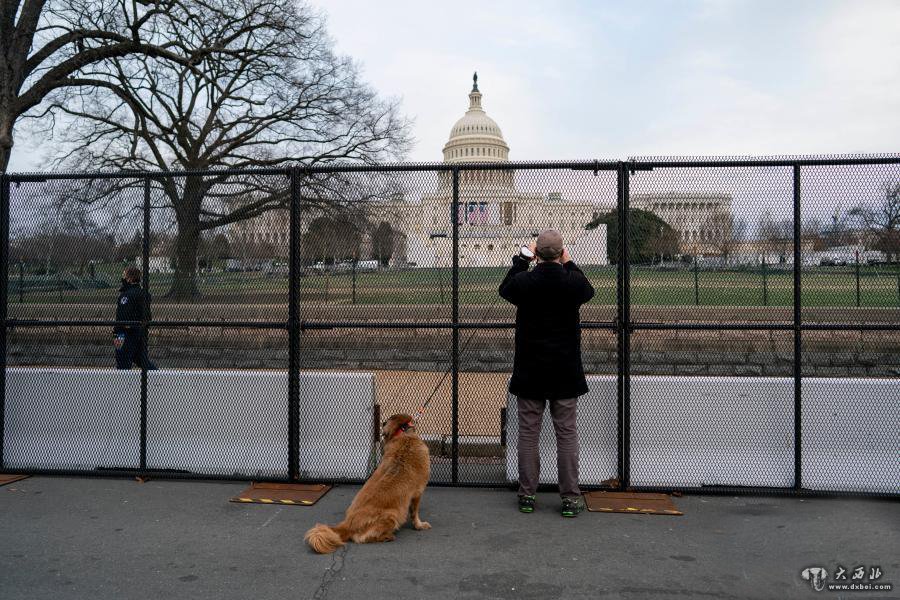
[(71, 538)]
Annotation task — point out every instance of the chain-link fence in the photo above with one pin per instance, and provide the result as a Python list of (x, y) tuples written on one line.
[(744, 334)]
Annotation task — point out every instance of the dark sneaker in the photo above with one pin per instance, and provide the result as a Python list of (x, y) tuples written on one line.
[(571, 506), (526, 504)]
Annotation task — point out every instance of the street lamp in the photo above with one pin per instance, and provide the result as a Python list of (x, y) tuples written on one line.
[(432, 236)]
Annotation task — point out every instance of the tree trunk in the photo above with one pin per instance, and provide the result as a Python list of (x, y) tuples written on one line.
[(6, 141), (187, 242), (184, 284), (4, 158)]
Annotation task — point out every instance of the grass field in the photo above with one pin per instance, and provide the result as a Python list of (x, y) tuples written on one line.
[(821, 286)]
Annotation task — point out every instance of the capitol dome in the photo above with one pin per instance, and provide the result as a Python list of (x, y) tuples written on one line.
[(475, 137)]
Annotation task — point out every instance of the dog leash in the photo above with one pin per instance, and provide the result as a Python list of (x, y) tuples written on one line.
[(421, 411)]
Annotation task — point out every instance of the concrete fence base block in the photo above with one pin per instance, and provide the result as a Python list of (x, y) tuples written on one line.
[(685, 431), (212, 422), (72, 419), (734, 431)]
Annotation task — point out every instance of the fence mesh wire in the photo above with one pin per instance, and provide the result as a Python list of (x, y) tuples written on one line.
[(394, 273)]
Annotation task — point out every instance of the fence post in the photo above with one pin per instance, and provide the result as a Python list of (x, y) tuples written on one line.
[(454, 365), (145, 318), (696, 283), (857, 279), (765, 282), (4, 275), (21, 282), (294, 328), (353, 300), (798, 481), (623, 299)]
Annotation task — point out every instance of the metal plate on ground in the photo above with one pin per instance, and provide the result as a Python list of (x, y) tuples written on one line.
[(302, 494), (8, 478), (631, 502)]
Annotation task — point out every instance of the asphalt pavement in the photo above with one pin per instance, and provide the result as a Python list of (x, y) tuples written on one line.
[(72, 538)]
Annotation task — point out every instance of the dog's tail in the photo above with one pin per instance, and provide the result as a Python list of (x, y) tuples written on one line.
[(324, 539)]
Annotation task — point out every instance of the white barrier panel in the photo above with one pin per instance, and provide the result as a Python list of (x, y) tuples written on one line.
[(851, 434), (686, 431), (336, 416), (210, 422), (72, 419), (698, 431), (218, 422)]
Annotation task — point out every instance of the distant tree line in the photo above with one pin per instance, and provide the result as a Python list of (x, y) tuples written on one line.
[(331, 239), (188, 85)]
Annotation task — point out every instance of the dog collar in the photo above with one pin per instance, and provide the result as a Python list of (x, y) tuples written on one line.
[(403, 428)]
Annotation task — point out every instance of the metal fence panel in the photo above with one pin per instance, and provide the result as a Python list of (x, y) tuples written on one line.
[(748, 342)]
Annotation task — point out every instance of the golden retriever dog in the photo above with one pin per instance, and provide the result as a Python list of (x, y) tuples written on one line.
[(388, 498)]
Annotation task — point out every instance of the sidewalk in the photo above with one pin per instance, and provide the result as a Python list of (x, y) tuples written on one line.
[(68, 538)]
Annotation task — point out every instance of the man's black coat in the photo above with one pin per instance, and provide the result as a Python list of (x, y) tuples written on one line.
[(548, 331)]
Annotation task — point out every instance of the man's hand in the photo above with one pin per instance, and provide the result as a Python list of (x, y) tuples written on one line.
[(118, 342), (565, 256)]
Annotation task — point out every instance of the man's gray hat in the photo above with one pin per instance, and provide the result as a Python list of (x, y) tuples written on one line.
[(549, 245)]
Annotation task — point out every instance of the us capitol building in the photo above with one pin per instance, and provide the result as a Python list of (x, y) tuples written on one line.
[(496, 215), (495, 218)]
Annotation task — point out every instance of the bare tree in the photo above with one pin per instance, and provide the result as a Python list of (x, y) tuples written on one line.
[(65, 241), (331, 239), (838, 232), (277, 94), (383, 243), (882, 220), (721, 239), (129, 250), (777, 235), (811, 233), (44, 44)]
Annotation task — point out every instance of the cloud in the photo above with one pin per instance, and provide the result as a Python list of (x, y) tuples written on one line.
[(711, 78), (606, 79)]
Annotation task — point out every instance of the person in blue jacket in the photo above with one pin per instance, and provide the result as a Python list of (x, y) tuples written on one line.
[(128, 339)]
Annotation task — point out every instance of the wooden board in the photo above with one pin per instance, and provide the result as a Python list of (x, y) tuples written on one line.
[(301, 494), (631, 502), (8, 478)]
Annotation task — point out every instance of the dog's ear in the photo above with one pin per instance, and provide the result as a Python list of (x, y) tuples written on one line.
[(390, 426)]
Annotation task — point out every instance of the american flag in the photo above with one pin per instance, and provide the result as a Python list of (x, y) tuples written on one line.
[(477, 213)]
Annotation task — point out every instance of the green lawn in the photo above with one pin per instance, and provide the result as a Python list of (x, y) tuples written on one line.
[(821, 286)]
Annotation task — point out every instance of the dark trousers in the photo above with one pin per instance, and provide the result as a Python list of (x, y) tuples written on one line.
[(531, 413), (133, 351)]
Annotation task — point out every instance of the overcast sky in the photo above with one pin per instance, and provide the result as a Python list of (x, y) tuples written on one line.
[(579, 80), (592, 79)]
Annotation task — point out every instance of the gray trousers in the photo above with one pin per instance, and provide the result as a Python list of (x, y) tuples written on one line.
[(531, 413)]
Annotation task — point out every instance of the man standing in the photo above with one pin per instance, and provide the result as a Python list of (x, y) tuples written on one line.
[(128, 340), (547, 364)]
